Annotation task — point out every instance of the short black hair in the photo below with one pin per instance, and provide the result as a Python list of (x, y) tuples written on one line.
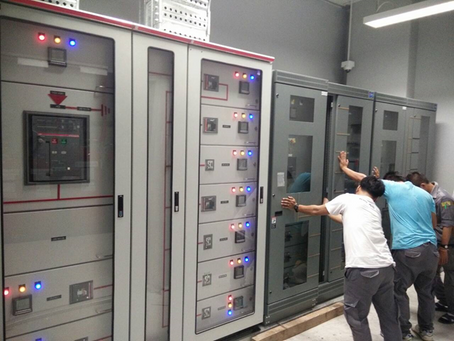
[(393, 176), (373, 186), (417, 179)]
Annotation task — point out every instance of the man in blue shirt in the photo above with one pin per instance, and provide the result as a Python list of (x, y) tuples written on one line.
[(414, 248)]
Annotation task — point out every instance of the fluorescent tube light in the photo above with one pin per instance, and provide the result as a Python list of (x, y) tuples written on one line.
[(410, 12)]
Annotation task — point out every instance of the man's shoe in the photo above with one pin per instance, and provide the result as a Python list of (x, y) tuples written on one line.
[(408, 337), (441, 307), (426, 335), (446, 319)]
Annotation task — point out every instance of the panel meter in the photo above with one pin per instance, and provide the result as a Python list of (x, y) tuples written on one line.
[(57, 148)]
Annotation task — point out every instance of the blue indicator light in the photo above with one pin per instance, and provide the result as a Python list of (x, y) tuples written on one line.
[(249, 153), (246, 259), (251, 116), (248, 224), (230, 313), (72, 42), (248, 188), (40, 339), (38, 285), (252, 77)]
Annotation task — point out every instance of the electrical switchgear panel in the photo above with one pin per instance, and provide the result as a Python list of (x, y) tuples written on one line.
[(57, 148), (228, 194)]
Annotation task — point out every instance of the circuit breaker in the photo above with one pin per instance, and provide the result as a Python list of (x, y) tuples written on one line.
[(57, 148)]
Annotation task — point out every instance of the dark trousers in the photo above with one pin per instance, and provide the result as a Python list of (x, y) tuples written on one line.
[(445, 292), (363, 287), (416, 266)]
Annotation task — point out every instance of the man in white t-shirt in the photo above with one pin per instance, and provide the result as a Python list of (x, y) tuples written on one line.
[(369, 269)]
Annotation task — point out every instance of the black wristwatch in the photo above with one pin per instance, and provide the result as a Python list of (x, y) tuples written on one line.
[(443, 246), (296, 208)]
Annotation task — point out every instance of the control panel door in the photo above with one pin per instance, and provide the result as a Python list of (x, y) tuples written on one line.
[(388, 138), (419, 141), (66, 177), (297, 170), (227, 146), (352, 131), (159, 69)]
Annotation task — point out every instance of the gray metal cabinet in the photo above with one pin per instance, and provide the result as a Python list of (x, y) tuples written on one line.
[(298, 123), (350, 121)]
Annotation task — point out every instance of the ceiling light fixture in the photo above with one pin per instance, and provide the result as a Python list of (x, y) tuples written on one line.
[(410, 12)]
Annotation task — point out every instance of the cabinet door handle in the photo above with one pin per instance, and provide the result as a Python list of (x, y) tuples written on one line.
[(176, 206), (121, 212), (261, 195)]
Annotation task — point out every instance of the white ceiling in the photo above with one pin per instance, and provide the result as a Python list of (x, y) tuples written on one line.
[(342, 2)]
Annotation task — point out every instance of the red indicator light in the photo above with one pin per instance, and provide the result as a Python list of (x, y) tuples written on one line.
[(234, 152), (237, 74), (235, 115), (54, 141), (230, 298), (6, 292), (232, 227), (41, 36), (233, 189), (232, 262)]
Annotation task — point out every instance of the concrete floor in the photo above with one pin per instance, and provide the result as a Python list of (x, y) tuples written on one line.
[(338, 329)]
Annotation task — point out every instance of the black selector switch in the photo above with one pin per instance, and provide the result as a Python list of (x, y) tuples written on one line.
[(244, 88), (241, 164), (241, 200), (238, 272), (243, 127), (240, 237)]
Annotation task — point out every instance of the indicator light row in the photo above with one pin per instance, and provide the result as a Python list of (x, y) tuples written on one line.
[(22, 288), (241, 189), (242, 152), (239, 261), (243, 115), (244, 76), (57, 39), (240, 225)]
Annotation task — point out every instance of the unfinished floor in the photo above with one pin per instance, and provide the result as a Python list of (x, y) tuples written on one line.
[(337, 328)]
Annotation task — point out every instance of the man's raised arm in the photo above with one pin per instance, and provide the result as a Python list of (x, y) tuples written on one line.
[(343, 164)]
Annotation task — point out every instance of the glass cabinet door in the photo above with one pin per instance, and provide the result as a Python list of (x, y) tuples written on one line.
[(159, 68), (419, 139), (351, 132), (65, 166), (297, 171), (388, 138)]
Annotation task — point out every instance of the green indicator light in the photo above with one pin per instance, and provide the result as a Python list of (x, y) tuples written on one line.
[(63, 141)]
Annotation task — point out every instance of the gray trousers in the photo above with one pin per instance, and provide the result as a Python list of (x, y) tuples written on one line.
[(417, 267), (445, 292), (363, 287)]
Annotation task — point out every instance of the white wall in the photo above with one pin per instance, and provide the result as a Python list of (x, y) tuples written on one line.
[(305, 36), (435, 82), (381, 55)]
